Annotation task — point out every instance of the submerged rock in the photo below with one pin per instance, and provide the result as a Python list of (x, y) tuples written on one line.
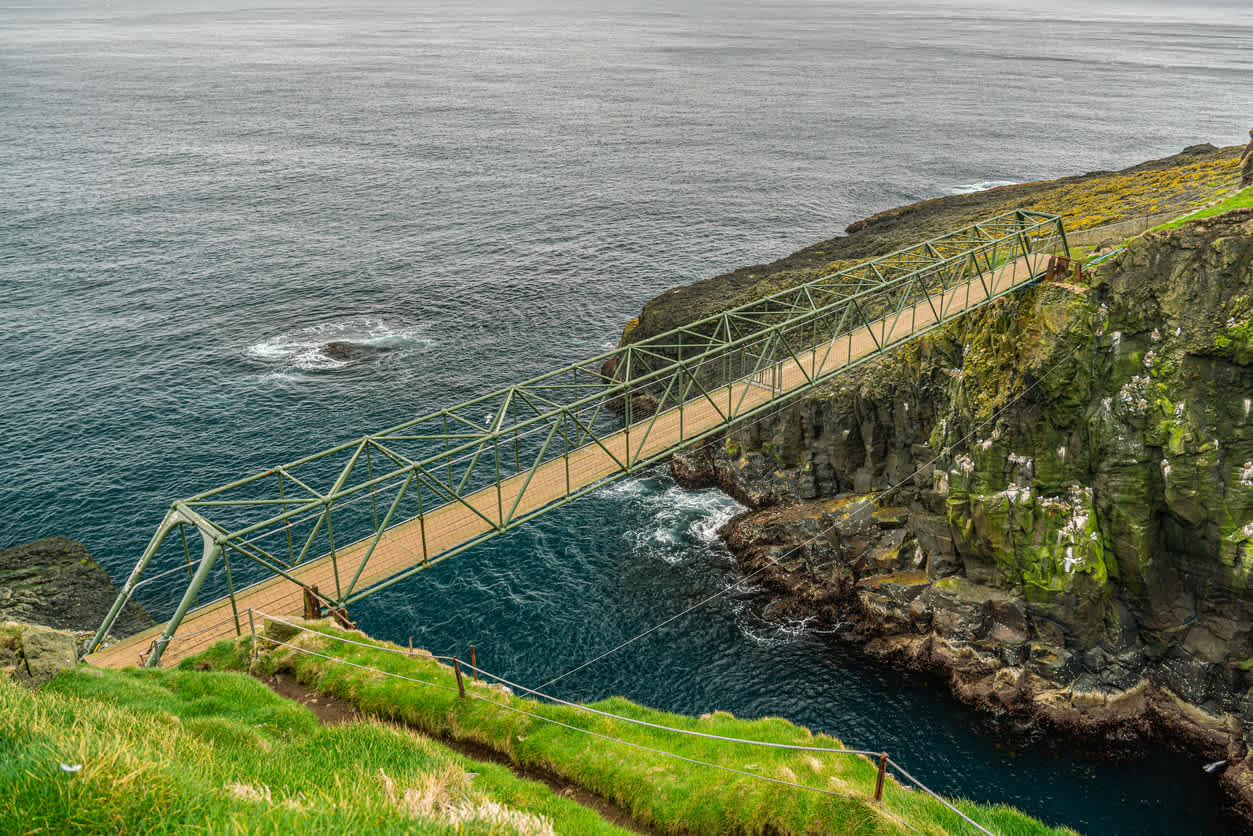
[(348, 352)]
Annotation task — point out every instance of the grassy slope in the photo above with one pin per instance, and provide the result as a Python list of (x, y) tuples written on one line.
[(192, 752), (671, 796), (1240, 200)]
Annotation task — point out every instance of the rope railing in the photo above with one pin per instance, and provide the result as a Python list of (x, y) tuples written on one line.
[(579, 706), (605, 737), (884, 760)]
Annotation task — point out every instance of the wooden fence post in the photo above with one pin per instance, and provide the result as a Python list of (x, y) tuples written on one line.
[(461, 687)]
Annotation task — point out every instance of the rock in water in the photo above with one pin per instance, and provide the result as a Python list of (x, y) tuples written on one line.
[(348, 352), (55, 582)]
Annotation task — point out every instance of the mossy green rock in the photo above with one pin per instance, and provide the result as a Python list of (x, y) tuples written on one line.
[(1087, 451), (35, 653)]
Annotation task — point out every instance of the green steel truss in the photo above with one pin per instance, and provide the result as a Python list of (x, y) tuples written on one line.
[(269, 523)]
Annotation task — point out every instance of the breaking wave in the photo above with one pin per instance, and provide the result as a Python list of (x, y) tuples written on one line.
[(982, 185), (668, 520), (336, 344)]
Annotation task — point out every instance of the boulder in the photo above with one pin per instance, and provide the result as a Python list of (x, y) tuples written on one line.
[(348, 352), (34, 653)]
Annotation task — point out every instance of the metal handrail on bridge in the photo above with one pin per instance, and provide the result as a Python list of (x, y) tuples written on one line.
[(492, 447)]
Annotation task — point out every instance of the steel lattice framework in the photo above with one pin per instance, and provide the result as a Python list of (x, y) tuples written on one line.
[(626, 408)]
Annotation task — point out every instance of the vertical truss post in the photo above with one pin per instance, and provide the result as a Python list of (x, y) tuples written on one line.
[(421, 518), (369, 471), (1020, 220), (330, 537), (291, 546), (447, 449), (500, 501), (211, 551), (517, 454), (630, 364), (230, 589), (565, 455)]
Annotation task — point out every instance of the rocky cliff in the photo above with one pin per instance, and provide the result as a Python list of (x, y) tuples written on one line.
[(52, 596), (1051, 500), (54, 581)]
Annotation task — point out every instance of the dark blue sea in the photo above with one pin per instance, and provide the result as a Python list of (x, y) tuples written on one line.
[(196, 197)]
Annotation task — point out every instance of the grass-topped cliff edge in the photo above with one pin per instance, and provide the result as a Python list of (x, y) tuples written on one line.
[(1191, 179), (209, 749)]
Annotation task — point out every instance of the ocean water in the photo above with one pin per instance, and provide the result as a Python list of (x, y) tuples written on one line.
[(196, 198)]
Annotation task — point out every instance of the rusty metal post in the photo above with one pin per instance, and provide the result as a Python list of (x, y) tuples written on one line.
[(878, 784), (474, 664), (1078, 272), (461, 686), (252, 628), (313, 604)]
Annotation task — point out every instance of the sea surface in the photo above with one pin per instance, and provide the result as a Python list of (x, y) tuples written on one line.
[(195, 198)]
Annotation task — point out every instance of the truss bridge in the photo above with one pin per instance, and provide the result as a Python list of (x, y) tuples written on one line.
[(330, 529)]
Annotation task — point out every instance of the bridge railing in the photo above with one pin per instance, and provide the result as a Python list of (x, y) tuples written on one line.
[(352, 494)]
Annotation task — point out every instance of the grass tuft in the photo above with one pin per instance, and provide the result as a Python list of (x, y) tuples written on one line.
[(1240, 200)]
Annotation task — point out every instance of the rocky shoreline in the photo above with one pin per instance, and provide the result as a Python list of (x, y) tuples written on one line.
[(55, 582), (1048, 504), (837, 563)]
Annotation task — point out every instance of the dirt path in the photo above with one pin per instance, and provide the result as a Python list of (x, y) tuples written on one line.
[(334, 711)]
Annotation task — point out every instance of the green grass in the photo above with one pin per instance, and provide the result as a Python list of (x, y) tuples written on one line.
[(1240, 200), (669, 795), (193, 752)]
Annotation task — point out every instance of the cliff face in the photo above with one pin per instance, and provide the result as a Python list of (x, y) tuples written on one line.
[(54, 581), (1070, 530)]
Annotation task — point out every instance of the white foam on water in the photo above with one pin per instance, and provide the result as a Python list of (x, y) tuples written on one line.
[(304, 348), (759, 627), (706, 528), (982, 185), (628, 488), (279, 378), (672, 519)]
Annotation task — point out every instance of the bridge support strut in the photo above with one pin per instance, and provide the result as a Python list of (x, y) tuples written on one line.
[(211, 551)]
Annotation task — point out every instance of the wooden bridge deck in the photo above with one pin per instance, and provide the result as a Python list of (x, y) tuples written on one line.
[(453, 524)]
